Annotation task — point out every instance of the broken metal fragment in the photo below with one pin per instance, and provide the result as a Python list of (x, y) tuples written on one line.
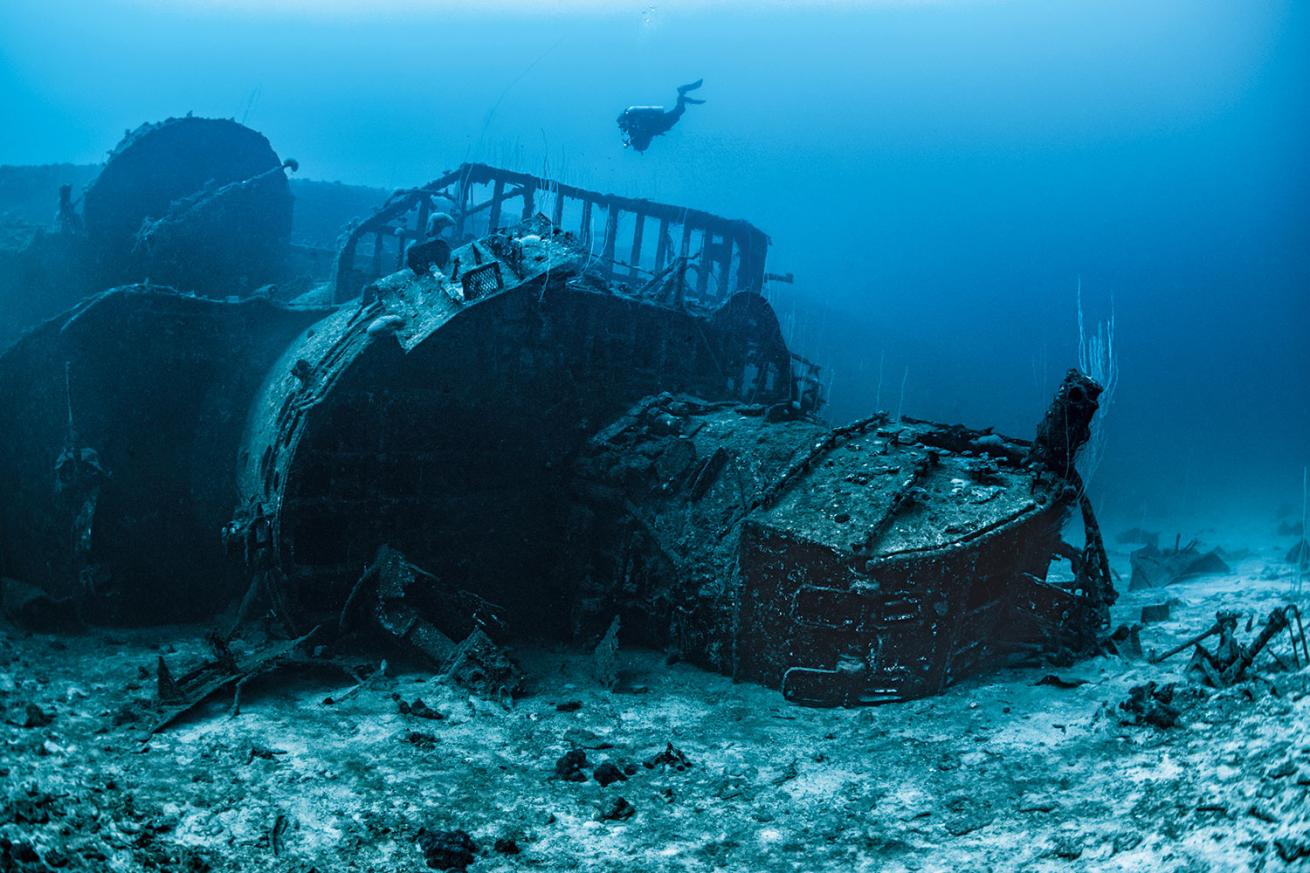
[(1150, 704), (263, 753), (418, 709), (1125, 641), (165, 687), (1228, 663), (223, 673), (604, 668), (480, 666), (366, 682), (405, 595), (1154, 568), (277, 834), (671, 757), (420, 740)]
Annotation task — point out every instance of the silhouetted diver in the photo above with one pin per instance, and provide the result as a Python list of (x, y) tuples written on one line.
[(641, 124)]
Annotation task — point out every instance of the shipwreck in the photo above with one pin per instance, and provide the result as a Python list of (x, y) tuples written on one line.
[(513, 409)]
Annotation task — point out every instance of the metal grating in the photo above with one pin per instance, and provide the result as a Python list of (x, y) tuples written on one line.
[(483, 280)]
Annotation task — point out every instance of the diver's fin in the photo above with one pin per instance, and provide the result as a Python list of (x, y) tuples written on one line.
[(683, 89), (692, 100)]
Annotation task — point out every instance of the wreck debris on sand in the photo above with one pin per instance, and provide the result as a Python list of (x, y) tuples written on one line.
[(1229, 661), (1154, 567)]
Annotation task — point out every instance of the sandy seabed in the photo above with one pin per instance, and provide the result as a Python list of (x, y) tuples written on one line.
[(999, 773)]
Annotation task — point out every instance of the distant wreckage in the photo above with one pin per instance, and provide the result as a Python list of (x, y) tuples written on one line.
[(492, 423)]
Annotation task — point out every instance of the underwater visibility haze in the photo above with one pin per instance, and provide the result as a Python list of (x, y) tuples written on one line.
[(564, 421), (939, 176)]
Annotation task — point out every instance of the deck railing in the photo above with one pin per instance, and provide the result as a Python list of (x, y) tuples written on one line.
[(629, 239)]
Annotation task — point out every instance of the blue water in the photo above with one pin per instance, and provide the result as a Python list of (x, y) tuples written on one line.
[(939, 177)]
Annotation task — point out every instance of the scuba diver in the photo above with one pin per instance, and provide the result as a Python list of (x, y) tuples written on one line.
[(641, 124)]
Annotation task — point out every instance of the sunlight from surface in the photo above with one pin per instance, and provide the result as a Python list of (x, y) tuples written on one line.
[(428, 8)]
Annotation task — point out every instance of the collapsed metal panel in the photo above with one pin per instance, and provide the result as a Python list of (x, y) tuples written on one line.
[(880, 561), (628, 240)]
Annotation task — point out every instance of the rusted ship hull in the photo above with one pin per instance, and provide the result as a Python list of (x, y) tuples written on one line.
[(560, 446)]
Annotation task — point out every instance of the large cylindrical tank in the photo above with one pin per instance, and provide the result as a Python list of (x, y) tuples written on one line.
[(201, 204)]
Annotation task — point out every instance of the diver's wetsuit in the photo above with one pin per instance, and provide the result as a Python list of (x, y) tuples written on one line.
[(641, 124)]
